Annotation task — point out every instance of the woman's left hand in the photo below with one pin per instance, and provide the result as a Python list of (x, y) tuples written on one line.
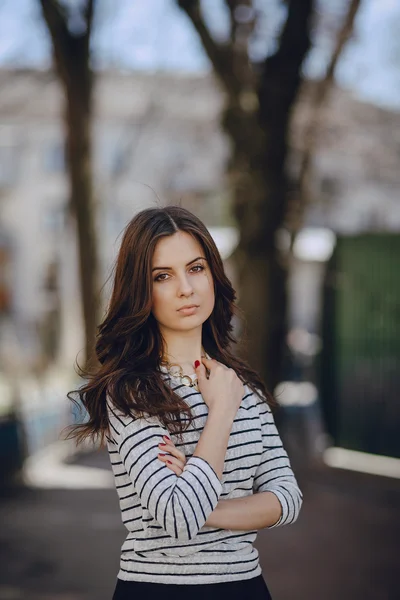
[(176, 457)]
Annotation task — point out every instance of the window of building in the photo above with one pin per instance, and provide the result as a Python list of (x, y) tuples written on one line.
[(54, 158), (53, 218), (9, 163)]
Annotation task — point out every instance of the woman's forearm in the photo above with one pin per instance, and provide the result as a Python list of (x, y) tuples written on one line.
[(214, 439), (249, 512)]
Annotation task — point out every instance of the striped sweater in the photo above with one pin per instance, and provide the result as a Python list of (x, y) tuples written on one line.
[(165, 514)]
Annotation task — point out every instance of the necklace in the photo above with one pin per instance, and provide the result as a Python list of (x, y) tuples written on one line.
[(175, 370)]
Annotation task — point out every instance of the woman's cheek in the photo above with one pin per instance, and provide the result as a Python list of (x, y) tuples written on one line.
[(157, 301), (161, 301)]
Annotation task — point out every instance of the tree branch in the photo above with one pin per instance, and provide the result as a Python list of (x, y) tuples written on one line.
[(282, 71), (89, 12), (321, 92), (231, 5), (241, 30), (220, 55), (56, 20), (67, 48)]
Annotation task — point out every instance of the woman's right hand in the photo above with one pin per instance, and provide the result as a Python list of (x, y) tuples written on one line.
[(223, 390)]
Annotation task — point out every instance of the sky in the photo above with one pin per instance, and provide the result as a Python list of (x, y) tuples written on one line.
[(156, 35)]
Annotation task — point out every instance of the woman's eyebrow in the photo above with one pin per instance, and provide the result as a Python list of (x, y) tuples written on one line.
[(170, 268)]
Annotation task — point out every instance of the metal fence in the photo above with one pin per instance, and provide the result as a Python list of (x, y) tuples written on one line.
[(360, 360)]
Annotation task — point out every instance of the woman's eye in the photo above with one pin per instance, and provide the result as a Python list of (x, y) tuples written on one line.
[(165, 276)]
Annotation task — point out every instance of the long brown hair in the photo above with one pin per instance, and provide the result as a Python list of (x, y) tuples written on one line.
[(129, 344)]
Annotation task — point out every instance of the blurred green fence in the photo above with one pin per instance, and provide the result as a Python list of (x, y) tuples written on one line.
[(360, 360)]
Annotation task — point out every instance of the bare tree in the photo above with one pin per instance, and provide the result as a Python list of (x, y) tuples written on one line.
[(70, 34), (300, 196), (256, 118)]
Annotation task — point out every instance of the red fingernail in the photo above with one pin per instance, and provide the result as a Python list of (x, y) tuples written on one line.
[(160, 444), (196, 364), (166, 438), (168, 461)]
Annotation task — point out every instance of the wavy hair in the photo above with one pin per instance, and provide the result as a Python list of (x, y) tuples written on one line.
[(129, 344)]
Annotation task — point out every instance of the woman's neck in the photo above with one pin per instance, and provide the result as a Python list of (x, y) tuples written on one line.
[(183, 349)]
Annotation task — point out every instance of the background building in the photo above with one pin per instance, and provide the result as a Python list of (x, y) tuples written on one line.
[(158, 140)]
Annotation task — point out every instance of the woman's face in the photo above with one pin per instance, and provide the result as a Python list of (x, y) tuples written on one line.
[(181, 277)]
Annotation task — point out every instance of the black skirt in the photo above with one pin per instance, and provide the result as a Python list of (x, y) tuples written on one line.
[(254, 588)]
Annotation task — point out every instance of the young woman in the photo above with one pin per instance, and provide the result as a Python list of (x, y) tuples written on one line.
[(198, 463)]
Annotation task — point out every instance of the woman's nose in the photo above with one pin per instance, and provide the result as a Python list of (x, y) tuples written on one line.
[(185, 286)]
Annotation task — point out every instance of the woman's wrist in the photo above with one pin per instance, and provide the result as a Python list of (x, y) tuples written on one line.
[(220, 414), (213, 519)]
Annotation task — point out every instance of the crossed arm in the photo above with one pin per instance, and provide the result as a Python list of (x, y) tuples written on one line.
[(257, 511)]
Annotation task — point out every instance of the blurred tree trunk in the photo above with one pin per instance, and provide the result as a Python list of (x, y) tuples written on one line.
[(300, 196), (71, 52), (256, 117)]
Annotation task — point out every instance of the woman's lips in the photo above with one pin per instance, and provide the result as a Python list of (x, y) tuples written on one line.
[(188, 311)]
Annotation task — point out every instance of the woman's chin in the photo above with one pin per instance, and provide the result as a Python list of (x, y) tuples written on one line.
[(189, 322)]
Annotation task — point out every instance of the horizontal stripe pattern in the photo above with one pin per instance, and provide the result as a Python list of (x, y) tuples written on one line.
[(274, 472), (165, 515), (180, 505)]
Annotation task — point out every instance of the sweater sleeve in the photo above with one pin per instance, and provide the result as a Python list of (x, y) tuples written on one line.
[(180, 504), (274, 473)]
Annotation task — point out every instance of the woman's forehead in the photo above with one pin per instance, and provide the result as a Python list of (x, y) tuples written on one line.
[(180, 247)]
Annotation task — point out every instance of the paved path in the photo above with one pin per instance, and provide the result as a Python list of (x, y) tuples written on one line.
[(64, 544)]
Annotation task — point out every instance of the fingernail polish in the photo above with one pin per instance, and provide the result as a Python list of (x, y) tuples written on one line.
[(168, 461), (196, 364), (160, 444), (166, 438)]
